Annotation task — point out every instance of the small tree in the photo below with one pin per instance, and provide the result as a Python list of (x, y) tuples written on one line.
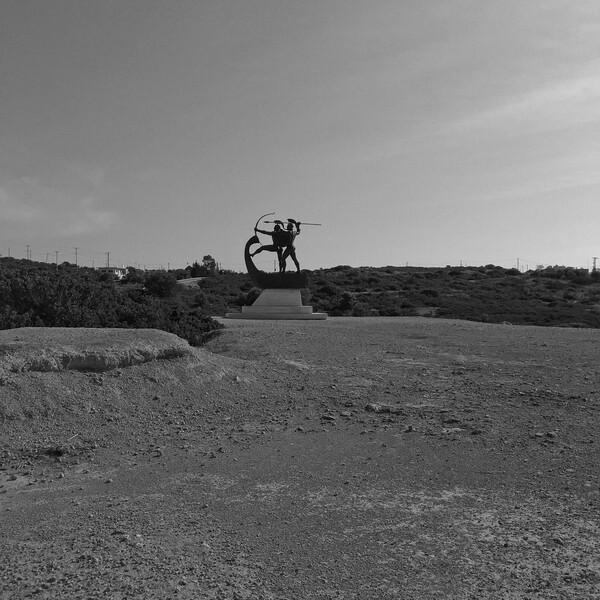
[(209, 264), (161, 284), (196, 270), (346, 303), (134, 275)]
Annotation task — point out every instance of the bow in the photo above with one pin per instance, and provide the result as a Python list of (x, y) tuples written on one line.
[(257, 222)]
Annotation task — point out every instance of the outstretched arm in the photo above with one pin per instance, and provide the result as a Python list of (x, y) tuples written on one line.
[(263, 232)]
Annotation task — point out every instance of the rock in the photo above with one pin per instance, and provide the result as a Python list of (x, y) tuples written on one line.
[(378, 408)]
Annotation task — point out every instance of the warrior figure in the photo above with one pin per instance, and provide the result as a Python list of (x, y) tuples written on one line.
[(280, 239), (290, 250)]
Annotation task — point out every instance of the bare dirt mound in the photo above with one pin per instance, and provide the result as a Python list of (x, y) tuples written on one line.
[(347, 458), (84, 349)]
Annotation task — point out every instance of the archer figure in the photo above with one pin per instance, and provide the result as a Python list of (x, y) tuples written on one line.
[(280, 239)]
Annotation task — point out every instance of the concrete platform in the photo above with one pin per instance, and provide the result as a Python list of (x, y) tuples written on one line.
[(281, 304)]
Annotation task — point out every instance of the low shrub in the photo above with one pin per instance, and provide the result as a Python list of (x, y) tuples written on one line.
[(73, 297)]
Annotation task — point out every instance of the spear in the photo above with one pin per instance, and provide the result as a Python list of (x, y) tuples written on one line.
[(301, 222)]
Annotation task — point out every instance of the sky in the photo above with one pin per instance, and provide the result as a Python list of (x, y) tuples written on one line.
[(417, 132)]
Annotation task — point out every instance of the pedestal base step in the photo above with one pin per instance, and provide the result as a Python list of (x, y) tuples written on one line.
[(280, 304), (280, 316)]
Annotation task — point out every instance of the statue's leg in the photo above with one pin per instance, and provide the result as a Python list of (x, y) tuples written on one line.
[(283, 260), (293, 255), (270, 248)]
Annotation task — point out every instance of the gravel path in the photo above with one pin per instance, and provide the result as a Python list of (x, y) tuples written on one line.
[(348, 458)]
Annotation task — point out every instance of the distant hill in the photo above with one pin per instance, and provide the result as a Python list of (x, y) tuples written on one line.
[(553, 296)]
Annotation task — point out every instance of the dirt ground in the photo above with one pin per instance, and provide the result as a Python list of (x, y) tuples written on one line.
[(375, 458)]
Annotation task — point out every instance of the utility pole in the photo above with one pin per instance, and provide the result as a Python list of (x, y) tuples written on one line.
[(108, 259), (56, 252), (28, 252), (76, 255)]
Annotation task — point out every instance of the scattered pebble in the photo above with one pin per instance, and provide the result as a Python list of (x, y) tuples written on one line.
[(378, 408)]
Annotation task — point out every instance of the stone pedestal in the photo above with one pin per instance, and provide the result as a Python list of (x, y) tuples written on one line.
[(282, 304)]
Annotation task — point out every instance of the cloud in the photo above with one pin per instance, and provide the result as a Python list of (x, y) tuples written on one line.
[(14, 210), (46, 211), (557, 105), (92, 175), (85, 218)]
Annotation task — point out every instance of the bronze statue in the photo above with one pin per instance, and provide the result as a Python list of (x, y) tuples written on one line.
[(280, 298), (283, 245)]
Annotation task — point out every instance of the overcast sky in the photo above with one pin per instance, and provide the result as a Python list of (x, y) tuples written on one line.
[(426, 132)]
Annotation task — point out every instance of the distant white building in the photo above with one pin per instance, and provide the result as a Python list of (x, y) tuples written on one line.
[(118, 272)]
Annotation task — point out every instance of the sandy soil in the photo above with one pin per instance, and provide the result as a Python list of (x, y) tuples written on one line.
[(347, 458)]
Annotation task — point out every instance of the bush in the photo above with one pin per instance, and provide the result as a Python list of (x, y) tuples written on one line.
[(161, 284), (81, 298), (249, 298)]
